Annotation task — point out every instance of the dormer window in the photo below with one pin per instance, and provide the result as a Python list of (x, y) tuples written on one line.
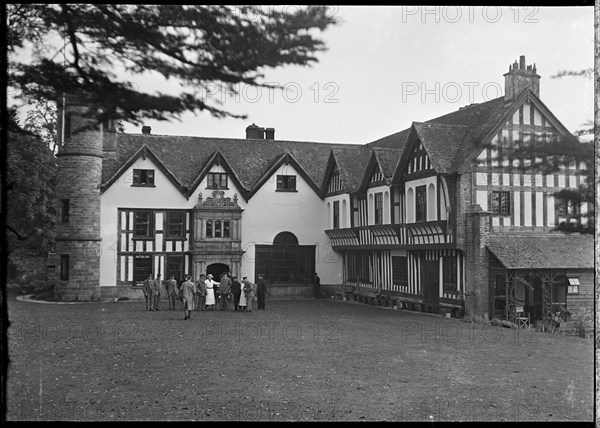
[(216, 180), (286, 183), (143, 177)]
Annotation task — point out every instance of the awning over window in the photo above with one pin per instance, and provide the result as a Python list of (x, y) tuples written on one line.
[(554, 251)]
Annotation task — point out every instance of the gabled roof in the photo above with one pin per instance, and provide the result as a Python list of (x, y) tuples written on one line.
[(351, 162), (383, 160), (454, 139), (442, 143), (187, 157), (387, 160), (553, 251)]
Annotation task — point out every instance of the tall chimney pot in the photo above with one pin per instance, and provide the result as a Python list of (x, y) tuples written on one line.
[(270, 133)]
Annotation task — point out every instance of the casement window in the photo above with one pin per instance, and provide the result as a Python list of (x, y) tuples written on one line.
[(336, 214), (573, 287), (175, 266), (449, 273), (63, 210), (500, 202), (216, 180), (286, 183), (358, 268), (175, 224), (143, 226), (378, 212), (421, 203), (142, 266), (567, 208), (217, 229), (143, 177), (64, 267), (399, 270)]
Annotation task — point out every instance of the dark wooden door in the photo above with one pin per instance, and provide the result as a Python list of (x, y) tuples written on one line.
[(430, 277)]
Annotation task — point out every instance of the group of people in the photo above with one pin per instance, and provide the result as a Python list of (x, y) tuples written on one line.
[(203, 294)]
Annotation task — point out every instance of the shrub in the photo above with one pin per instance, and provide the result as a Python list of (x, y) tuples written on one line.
[(584, 322)]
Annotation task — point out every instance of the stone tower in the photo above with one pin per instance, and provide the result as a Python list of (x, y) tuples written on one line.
[(78, 198)]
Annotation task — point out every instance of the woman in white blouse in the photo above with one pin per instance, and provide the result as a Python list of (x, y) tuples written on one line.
[(210, 292)]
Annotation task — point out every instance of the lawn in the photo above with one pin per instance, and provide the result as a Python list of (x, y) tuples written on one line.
[(298, 360)]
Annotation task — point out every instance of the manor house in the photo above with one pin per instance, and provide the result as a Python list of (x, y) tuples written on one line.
[(432, 217)]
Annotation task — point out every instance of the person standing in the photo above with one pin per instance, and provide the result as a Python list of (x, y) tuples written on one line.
[(147, 289), (210, 291), (156, 284), (261, 290), (249, 289), (225, 290), (172, 292), (187, 292), (317, 285), (201, 293), (236, 290), (243, 295)]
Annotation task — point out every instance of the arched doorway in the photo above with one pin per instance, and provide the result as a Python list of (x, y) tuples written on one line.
[(216, 270), (286, 262)]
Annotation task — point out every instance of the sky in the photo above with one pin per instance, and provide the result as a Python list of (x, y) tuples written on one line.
[(388, 66)]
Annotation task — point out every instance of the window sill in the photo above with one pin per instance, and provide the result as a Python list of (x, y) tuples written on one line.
[(142, 238), (286, 190), (217, 188), (143, 185)]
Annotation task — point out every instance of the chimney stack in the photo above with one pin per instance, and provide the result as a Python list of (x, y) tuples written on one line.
[(146, 130), (520, 77), (270, 133), (254, 132)]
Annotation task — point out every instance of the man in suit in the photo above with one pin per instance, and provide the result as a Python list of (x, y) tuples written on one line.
[(317, 286), (156, 285), (147, 289), (236, 290), (201, 293), (187, 292), (225, 288), (172, 291), (249, 291), (261, 290)]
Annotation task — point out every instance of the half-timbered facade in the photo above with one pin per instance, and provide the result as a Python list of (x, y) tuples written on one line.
[(429, 217)]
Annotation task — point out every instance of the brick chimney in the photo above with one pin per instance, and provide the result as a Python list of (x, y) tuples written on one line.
[(255, 132), (146, 130), (270, 133), (519, 78)]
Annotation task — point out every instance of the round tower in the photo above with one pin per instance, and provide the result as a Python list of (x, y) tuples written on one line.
[(78, 198)]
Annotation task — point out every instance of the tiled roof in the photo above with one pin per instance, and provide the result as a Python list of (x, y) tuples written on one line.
[(352, 162), (394, 141), (552, 251), (443, 144), (185, 157), (388, 160), (450, 139)]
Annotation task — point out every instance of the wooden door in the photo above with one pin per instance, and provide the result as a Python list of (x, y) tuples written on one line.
[(430, 277)]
